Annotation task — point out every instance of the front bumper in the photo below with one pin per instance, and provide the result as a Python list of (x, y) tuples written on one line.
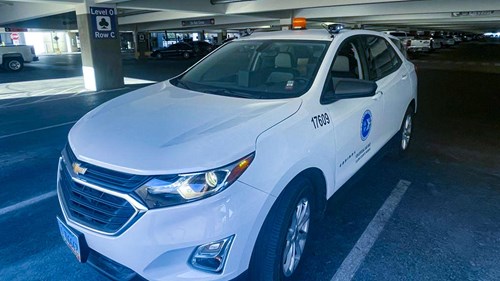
[(158, 246)]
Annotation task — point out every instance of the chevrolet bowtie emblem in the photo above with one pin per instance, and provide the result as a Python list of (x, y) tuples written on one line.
[(78, 169)]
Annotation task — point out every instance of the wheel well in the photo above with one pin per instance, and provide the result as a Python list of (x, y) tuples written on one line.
[(317, 178), (6, 56), (413, 105)]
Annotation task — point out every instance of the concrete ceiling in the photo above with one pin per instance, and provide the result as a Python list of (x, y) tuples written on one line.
[(453, 15)]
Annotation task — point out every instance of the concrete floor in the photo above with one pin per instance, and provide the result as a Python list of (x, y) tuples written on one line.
[(446, 227)]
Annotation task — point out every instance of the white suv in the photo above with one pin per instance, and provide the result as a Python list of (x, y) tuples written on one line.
[(220, 172)]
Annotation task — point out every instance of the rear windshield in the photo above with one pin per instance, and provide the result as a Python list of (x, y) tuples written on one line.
[(398, 34), (257, 69)]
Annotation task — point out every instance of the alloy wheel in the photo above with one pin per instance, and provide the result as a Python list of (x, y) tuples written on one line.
[(296, 237)]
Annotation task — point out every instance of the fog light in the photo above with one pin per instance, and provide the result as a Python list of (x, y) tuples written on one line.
[(212, 256)]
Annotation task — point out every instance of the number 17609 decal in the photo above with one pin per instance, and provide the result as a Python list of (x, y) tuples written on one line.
[(320, 120)]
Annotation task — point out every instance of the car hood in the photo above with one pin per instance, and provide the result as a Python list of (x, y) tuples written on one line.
[(162, 129)]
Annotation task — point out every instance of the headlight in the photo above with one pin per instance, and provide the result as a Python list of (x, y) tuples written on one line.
[(171, 190)]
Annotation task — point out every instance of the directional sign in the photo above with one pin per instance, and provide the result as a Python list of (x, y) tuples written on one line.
[(472, 14), (103, 23), (198, 22)]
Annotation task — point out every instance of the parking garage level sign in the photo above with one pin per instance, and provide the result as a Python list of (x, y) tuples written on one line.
[(103, 22)]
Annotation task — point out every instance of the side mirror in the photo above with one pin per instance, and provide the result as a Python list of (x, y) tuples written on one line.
[(348, 88)]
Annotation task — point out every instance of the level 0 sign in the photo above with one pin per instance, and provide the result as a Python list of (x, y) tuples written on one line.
[(103, 22)]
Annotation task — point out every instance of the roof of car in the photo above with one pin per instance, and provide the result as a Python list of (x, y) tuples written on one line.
[(306, 34)]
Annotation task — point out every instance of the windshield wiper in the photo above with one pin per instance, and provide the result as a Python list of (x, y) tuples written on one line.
[(229, 93), (182, 84)]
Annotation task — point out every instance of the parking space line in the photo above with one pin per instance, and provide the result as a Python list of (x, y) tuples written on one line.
[(351, 263), (27, 203), (42, 92), (36, 130)]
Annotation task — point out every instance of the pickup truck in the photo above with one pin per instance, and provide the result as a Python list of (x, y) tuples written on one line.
[(403, 36), (13, 58), (421, 44)]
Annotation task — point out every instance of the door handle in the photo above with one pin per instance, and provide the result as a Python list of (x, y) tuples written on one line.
[(378, 95), (404, 76)]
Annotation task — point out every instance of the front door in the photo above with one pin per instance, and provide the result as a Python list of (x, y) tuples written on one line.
[(357, 122)]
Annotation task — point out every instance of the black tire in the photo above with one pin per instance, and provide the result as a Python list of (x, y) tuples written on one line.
[(403, 138), (159, 56), (13, 64), (186, 55), (268, 261)]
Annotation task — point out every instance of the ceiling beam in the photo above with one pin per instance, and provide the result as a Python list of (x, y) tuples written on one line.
[(229, 21), (202, 6), (398, 8), (159, 16), (20, 11)]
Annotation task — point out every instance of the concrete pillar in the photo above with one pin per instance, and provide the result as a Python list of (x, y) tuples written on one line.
[(100, 46)]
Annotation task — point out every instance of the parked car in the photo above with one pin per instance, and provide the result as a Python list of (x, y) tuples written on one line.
[(221, 172), (439, 41), (184, 50), (446, 41), (202, 47), (457, 39)]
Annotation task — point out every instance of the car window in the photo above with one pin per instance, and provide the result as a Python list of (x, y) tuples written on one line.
[(347, 63), (400, 46), (173, 47), (382, 59), (266, 69), (398, 34)]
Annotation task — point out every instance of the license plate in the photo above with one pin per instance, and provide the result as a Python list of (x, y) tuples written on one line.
[(71, 239)]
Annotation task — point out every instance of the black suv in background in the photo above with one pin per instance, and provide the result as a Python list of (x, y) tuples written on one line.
[(184, 49)]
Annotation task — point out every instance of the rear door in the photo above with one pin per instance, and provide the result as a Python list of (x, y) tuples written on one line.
[(386, 68)]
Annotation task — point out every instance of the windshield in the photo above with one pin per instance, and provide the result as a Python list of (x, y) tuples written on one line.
[(266, 69)]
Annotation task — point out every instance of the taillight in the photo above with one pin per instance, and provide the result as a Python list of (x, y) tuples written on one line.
[(32, 50)]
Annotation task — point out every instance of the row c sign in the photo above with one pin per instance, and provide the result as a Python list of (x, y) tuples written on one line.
[(103, 22)]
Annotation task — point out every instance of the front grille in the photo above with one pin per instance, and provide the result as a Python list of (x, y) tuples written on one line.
[(106, 178), (92, 208)]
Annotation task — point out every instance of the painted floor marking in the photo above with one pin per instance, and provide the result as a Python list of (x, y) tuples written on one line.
[(36, 130), (351, 263), (27, 203), (58, 93)]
